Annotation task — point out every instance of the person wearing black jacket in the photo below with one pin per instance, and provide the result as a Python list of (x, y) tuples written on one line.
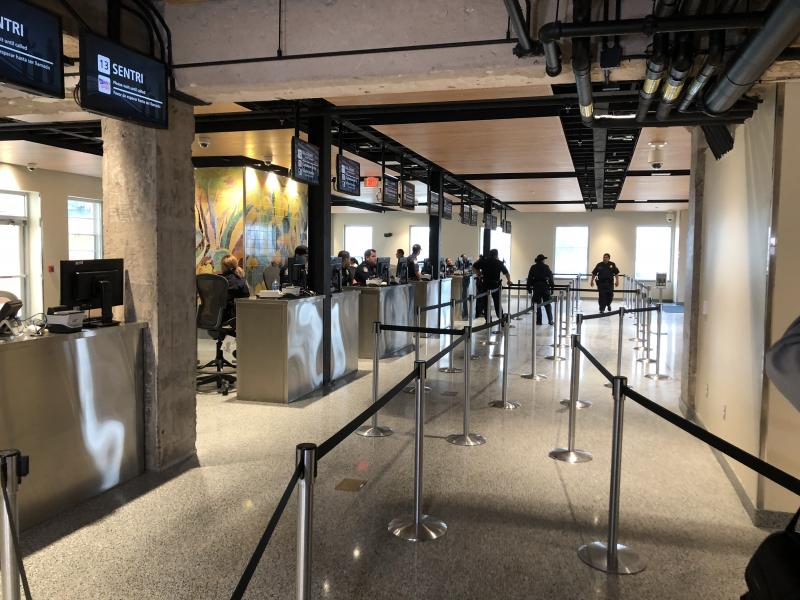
[(489, 271), (237, 286), (540, 282)]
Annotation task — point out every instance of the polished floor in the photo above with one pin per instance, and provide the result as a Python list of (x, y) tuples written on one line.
[(515, 517)]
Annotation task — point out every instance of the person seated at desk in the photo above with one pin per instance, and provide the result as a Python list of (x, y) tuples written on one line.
[(237, 286), (369, 268), (348, 271)]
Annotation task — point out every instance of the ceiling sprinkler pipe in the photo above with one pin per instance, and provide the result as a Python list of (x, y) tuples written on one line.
[(716, 51)]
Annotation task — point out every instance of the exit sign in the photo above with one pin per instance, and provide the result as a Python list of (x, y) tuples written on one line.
[(371, 182)]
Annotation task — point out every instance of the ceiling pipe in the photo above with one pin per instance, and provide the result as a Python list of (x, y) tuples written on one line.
[(760, 51), (657, 64), (550, 33), (525, 46), (582, 62), (681, 65)]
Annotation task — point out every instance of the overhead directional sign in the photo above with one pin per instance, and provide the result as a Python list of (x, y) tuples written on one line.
[(348, 175), (409, 196), (433, 203), (305, 162), (31, 49), (389, 197), (447, 209)]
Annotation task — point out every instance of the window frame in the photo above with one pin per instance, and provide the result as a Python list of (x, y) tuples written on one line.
[(585, 269), (97, 222), (669, 269), (23, 223), (360, 255), (426, 251)]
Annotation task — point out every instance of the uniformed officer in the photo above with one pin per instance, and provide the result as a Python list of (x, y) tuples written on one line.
[(540, 282), (413, 267), (348, 271), (369, 268), (606, 274), (488, 271)]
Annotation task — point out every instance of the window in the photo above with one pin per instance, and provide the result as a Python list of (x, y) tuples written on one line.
[(502, 243), (653, 251), (572, 250), (357, 239), (13, 261), (419, 234), (85, 224)]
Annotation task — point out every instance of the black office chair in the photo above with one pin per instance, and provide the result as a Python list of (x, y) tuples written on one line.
[(213, 293)]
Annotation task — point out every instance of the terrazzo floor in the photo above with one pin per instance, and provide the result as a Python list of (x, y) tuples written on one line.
[(515, 517)]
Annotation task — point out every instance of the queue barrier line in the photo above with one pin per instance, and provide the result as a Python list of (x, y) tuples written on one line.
[(487, 292), (612, 313), (434, 306), (430, 330), (7, 469), (598, 365)]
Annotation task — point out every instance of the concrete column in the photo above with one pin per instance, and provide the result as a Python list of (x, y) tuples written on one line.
[(693, 260), (148, 220)]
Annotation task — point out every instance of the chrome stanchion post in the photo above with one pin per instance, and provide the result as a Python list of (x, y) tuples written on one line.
[(519, 287), (570, 454), (9, 524), (420, 527), (611, 556), (533, 374), (658, 376), (619, 343), (556, 332), (568, 402), (450, 368), (307, 458), (470, 306), (375, 430), (466, 438), (647, 338), (504, 402)]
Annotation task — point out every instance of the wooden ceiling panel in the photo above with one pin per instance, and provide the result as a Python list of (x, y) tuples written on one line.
[(677, 153), (656, 188), (652, 207), (500, 146), (451, 95), (523, 190)]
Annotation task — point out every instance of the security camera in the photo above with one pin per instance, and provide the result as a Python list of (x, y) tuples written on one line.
[(204, 142), (31, 167), (268, 160), (670, 217), (656, 155)]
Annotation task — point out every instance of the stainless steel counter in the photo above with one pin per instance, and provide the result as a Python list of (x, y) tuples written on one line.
[(392, 305), (74, 404), (462, 287), (430, 293), (279, 345)]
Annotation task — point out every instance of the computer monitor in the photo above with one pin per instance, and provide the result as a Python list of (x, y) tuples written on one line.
[(383, 268), (88, 284), (296, 269), (337, 277), (272, 275), (426, 267), (402, 271)]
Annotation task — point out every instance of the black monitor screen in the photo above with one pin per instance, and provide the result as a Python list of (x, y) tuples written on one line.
[(433, 203), (121, 83), (473, 217), (337, 278), (31, 49), (305, 162), (447, 209), (402, 270), (348, 175), (390, 191), (409, 196), (296, 270), (80, 282), (383, 268)]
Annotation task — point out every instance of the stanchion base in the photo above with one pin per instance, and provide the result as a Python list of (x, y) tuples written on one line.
[(517, 318), (450, 370), (570, 456), (488, 343), (596, 556), (429, 528), (471, 439), (370, 431), (644, 359), (412, 389), (554, 358), (579, 404), (658, 377), (534, 376), (504, 405), (495, 356), (474, 357)]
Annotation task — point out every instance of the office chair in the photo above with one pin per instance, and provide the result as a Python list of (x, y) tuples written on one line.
[(213, 293)]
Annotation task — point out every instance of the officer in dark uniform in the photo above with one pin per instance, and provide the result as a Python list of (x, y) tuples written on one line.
[(367, 269), (606, 274), (540, 282), (488, 271), (413, 267), (348, 271)]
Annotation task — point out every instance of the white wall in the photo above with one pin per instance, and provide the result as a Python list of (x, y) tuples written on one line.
[(53, 188)]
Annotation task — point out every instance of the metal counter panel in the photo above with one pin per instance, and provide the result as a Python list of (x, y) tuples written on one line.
[(391, 304), (426, 293), (75, 404), (344, 333)]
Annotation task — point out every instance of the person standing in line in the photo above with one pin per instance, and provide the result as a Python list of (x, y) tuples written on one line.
[(489, 271), (540, 283), (606, 274)]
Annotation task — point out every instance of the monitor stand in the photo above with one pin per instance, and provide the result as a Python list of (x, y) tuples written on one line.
[(107, 318)]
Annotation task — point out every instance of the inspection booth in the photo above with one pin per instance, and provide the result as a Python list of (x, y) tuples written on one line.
[(74, 403), (391, 305), (280, 345), (431, 293), (461, 287)]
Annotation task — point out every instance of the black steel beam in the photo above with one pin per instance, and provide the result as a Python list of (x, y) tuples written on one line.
[(562, 175), (435, 221), (352, 203)]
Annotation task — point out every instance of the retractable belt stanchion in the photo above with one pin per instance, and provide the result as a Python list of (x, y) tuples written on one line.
[(420, 527), (519, 288), (579, 404), (307, 457), (450, 368), (418, 316), (619, 344), (661, 302), (639, 318), (556, 332), (570, 454), (647, 335), (375, 430), (658, 375), (13, 467), (508, 302), (470, 306), (611, 556), (504, 402), (466, 438), (533, 374)]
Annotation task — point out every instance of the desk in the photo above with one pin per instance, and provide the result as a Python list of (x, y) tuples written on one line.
[(430, 293), (279, 345), (75, 404), (389, 304)]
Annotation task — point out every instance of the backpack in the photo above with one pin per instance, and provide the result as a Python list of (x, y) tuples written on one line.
[(773, 572)]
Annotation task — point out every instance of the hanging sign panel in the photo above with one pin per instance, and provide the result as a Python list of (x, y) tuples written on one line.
[(31, 49), (473, 218), (305, 162), (409, 196), (348, 176), (120, 83), (466, 214), (433, 203), (447, 209), (390, 191), (506, 226)]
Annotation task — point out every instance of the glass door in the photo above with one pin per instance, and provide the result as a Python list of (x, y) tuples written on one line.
[(12, 258)]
